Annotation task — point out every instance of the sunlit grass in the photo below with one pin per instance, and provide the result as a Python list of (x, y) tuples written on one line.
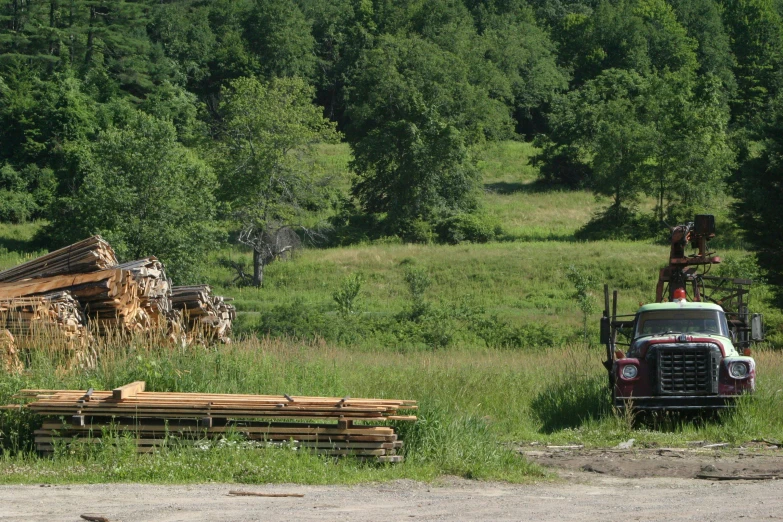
[(475, 407)]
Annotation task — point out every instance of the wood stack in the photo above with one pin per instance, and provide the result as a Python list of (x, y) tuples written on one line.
[(204, 313), (129, 297), (88, 255), (156, 419), (9, 357), (154, 289), (110, 298), (23, 316)]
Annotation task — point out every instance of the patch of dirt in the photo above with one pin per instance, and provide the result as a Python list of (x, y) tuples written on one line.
[(758, 460)]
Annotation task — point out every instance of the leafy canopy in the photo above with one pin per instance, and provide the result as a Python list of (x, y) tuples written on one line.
[(144, 192), (414, 117)]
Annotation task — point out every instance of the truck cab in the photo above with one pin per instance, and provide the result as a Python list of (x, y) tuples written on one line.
[(680, 355)]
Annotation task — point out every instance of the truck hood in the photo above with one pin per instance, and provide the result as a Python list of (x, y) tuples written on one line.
[(640, 344)]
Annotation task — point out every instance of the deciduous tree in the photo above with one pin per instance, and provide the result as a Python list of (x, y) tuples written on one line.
[(144, 192), (268, 131)]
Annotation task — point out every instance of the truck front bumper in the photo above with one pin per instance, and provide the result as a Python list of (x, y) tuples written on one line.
[(681, 402)]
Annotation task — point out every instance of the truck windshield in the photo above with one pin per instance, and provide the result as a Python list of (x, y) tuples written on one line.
[(681, 321)]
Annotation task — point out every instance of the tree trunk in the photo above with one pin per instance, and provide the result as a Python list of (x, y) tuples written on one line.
[(258, 269), (90, 38)]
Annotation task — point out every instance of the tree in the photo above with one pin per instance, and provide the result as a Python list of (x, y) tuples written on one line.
[(756, 40), (414, 117), (702, 20), (526, 57), (281, 38), (639, 35), (691, 158), (268, 131), (654, 135), (759, 190), (144, 192), (602, 121)]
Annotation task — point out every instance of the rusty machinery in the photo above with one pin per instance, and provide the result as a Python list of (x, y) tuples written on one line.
[(692, 271)]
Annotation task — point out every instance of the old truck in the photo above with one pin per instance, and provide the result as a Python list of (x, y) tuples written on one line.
[(691, 348)]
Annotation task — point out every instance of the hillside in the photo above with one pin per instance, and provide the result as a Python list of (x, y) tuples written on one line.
[(521, 279)]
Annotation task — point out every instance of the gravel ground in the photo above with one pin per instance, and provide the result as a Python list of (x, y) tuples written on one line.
[(580, 497)]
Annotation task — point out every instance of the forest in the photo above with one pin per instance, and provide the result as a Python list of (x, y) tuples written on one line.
[(176, 127)]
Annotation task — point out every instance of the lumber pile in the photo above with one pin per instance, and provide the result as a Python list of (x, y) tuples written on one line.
[(89, 255), (84, 281), (9, 358), (55, 319), (58, 310), (154, 289), (157, 418), (203, 312), (109, 298)]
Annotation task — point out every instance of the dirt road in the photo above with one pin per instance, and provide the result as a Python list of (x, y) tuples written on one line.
[(656, 490)]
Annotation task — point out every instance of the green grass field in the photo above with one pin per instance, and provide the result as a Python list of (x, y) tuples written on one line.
[(478, 400)]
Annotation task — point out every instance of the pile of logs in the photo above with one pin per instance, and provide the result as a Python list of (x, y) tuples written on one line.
[(157, 419), (57, 310), (204, 313), (82, 287), (9, 358)]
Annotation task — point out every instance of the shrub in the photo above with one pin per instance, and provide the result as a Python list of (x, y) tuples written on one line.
[(497, 333), (476, 228), (345, 297)]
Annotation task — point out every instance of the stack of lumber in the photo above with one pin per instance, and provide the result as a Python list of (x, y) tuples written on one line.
[(9, 358), (110, 298), (204, 313), (89, 255), (155, 418), (130, 297), (154, 289), (58, 310)]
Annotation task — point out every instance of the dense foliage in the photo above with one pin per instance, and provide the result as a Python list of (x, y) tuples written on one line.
[(111, 108)]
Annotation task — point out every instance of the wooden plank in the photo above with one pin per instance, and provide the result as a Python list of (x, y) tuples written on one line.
[(129, 390)]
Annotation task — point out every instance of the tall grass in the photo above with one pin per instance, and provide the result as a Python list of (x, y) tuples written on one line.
[(475, 406)]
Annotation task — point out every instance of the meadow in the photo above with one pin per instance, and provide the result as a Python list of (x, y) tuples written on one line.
[(492, 347)]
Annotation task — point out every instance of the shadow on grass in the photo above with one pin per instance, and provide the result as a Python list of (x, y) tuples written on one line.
[(571, 403), (532, 238), (23, 239), (505, 188), (22, 246)]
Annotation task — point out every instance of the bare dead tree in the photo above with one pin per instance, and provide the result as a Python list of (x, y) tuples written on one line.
[(274, 241)]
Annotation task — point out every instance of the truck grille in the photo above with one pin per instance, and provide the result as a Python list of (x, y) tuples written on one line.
[(687, 370)]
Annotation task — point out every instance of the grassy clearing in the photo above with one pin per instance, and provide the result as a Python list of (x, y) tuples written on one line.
[(521, 282)]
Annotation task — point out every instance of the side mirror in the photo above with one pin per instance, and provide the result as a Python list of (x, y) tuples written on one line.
[(757, 327), (605, 330)]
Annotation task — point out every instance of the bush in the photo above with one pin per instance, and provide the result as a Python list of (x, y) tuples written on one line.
[(560, 166), (24, 194), (476, 228), (346, 296), (620, 223), (296, 320), (499, 334), (16, 207), (415, 231)]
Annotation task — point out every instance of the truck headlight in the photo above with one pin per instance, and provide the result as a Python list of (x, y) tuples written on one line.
[(629, 371), (738, 370)]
